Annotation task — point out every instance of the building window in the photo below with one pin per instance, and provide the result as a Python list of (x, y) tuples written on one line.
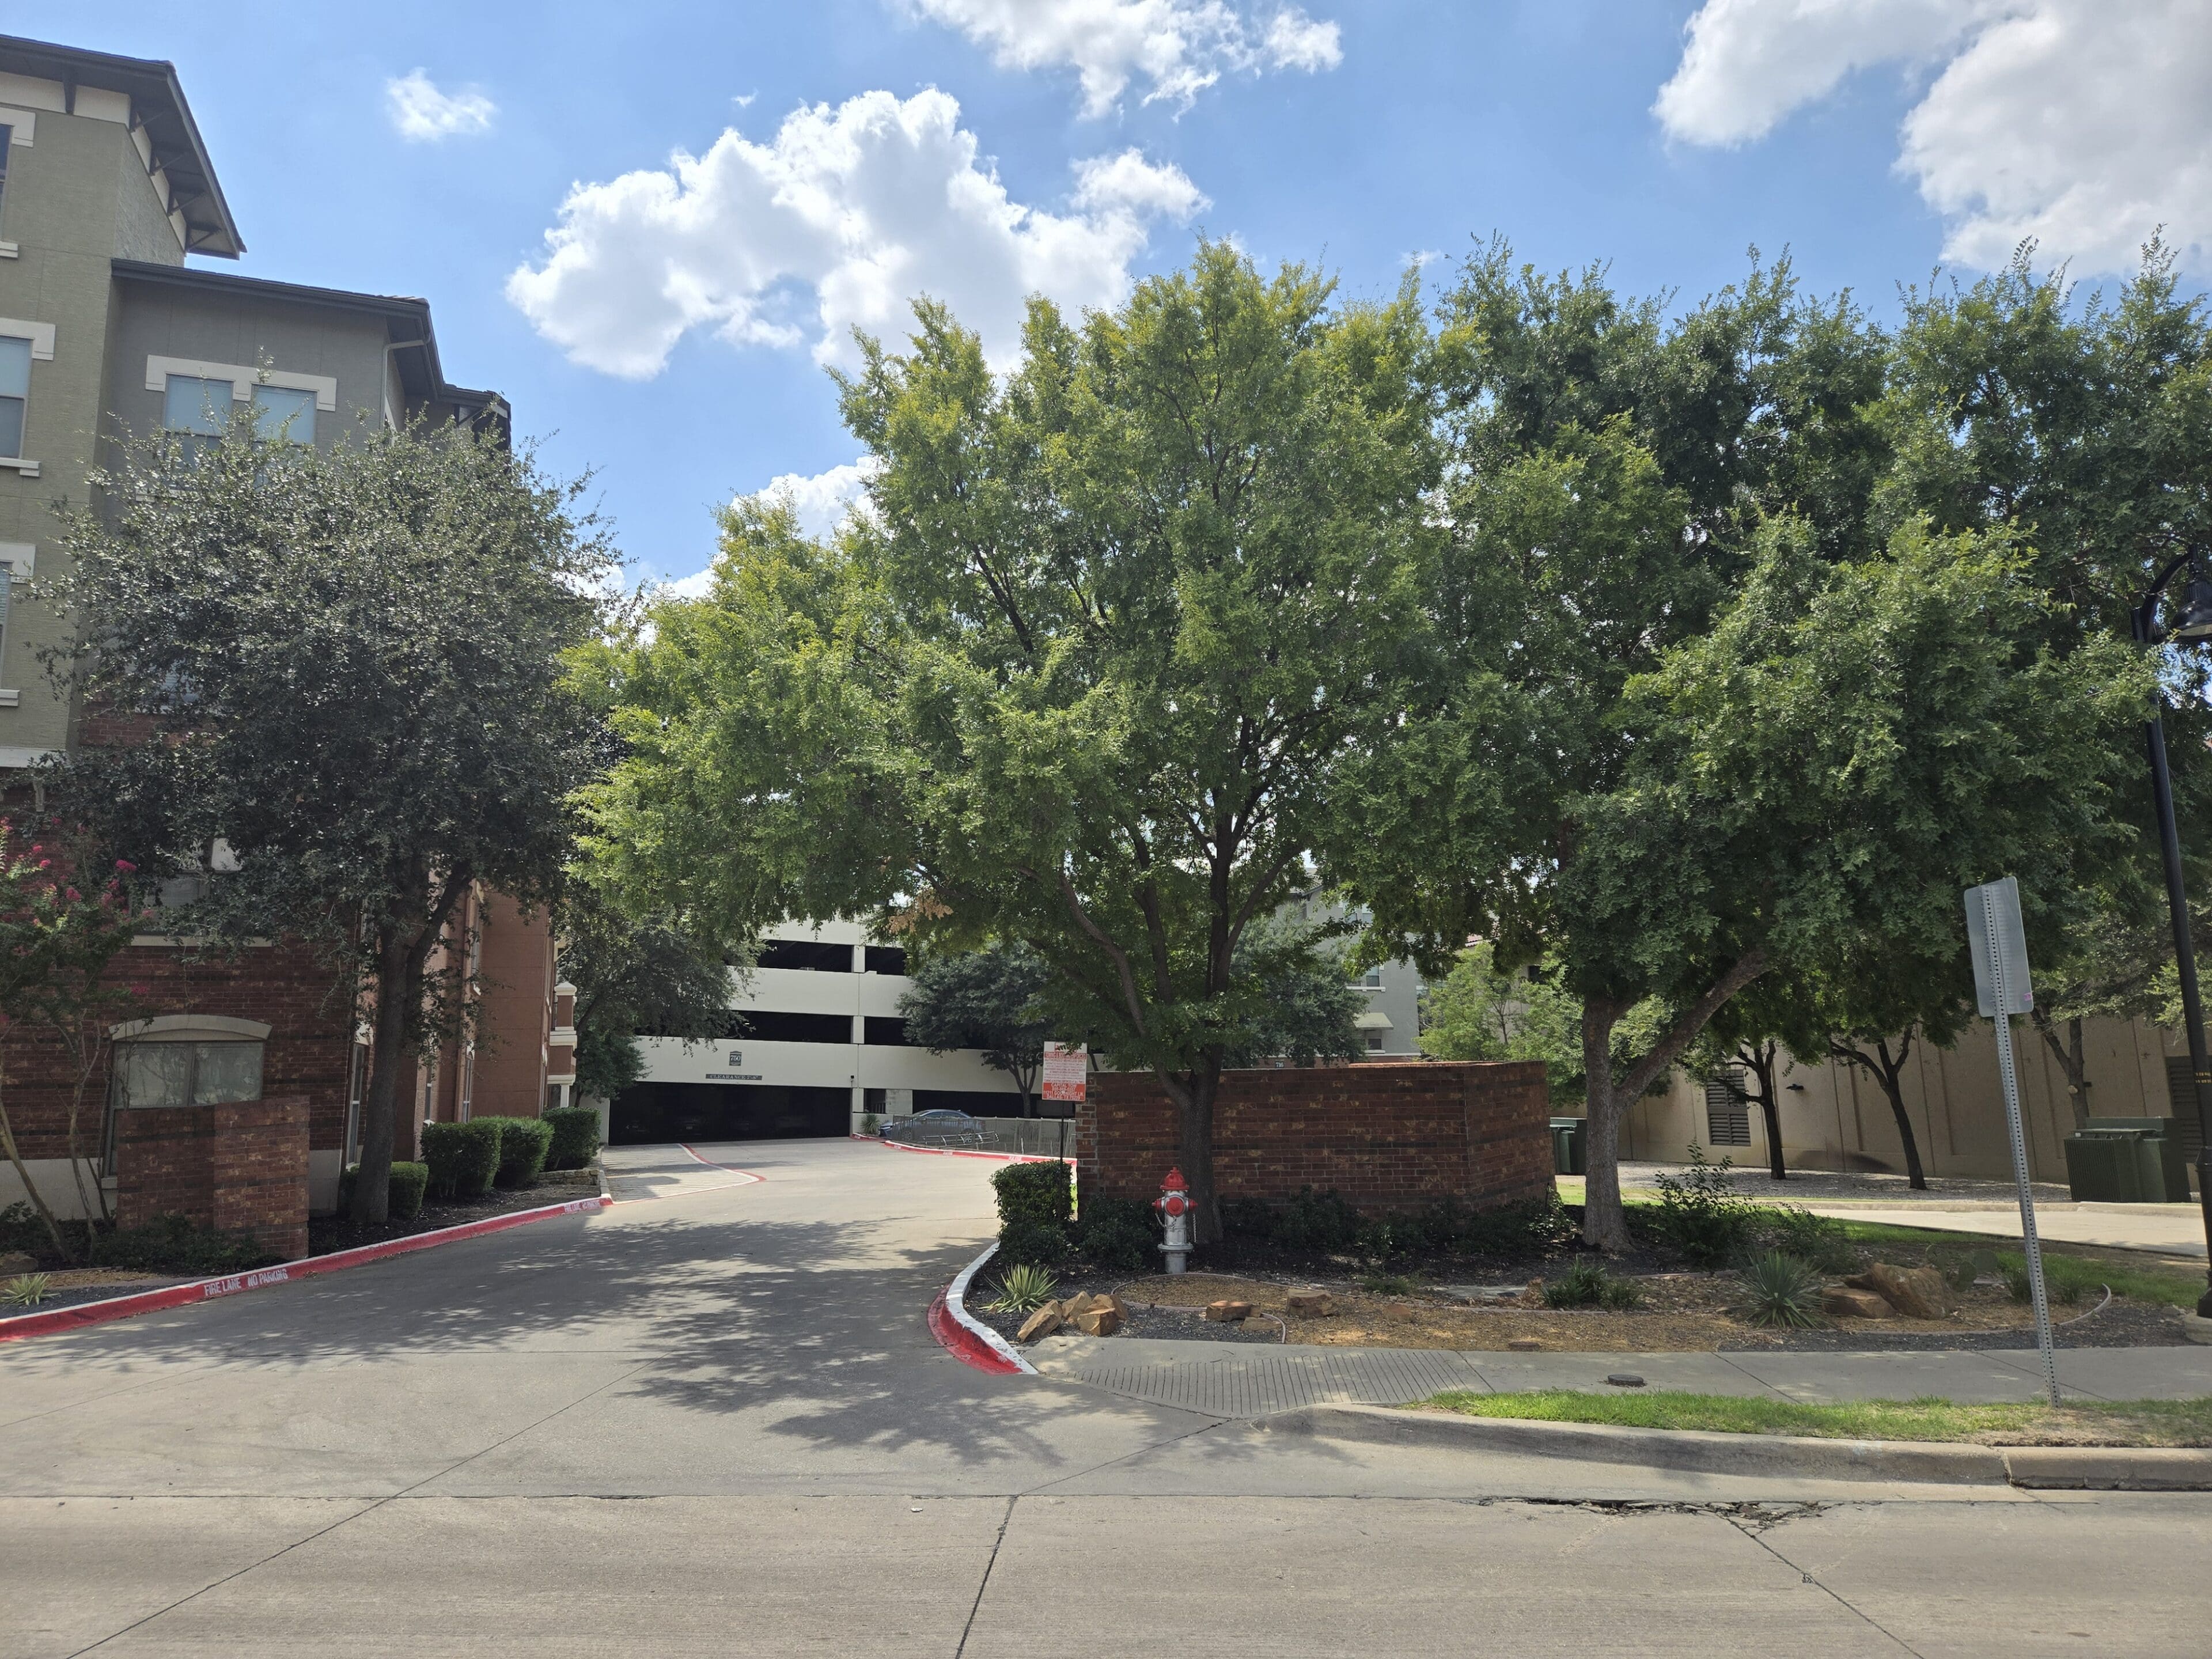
[(1371, 979), (199, 406), (1374, 1044), (191, 1073), (14, 393), (807, 955), (283, 413), (886, 959), (888, 1031)]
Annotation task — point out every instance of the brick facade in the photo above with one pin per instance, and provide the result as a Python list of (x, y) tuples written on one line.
[(240, 1167), (309, 1051), (1388, 1137)]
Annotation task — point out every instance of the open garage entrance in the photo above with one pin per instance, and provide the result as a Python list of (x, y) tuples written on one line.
[(650, 1114)]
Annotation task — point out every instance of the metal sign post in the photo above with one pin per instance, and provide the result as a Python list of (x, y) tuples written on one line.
[(1999, 944)]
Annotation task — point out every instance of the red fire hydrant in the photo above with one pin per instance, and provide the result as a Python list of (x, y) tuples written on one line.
[(1174, 1205)]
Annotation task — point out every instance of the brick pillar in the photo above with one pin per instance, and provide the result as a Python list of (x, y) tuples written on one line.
[(259, 1170), (163, 1163)]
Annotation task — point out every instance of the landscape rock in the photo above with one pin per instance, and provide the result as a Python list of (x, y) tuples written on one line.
[(13, 1262), (1098, 1321), (1313, 1303), (1916, 1292), (1228, 1312), (1043, 1322), (1845, 1302), (1524, 1345)]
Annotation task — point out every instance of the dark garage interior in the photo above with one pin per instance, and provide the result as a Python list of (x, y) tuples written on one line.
[(654, 1112)]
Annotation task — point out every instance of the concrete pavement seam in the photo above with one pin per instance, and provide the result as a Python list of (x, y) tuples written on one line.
[(1734, 1364), (217, 1584), (1758, 1537), (1141, 1451), (976, 1606)]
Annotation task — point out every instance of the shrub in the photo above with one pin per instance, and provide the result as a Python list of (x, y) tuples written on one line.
[(1024, 1290), (1119, 1233), (1961, 1269), (1513, 1232), (2066, 1278), (1780, 1289), (403, 1194), (1587, 1285), (1318, 1222), (463, 1157), (1247, 1217), (524, 1143), (173, 1245), (1700, 1215), (1813, 1239), (1033, 1211), (575, 1137)]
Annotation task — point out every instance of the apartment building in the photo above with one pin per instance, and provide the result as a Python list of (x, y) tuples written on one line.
[(816, 1044), (112, 323)]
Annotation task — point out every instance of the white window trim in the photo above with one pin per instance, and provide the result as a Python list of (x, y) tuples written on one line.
[(21, 124), (15, 755), (189, 1028), (29, 469), (242, 379), (41, 335)]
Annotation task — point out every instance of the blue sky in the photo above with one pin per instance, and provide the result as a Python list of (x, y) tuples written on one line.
[(676, 349)]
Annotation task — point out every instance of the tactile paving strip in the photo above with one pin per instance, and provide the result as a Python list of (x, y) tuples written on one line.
[(1256, 1384)]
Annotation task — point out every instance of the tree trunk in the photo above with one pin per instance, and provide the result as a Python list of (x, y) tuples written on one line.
[(379, 1117), (1894, 1086), (1761, 1060), (2073, 1061), (23, 1174), (1193, 1094), (1605, 1224)]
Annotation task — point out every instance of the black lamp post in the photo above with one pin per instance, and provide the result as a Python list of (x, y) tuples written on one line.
[(2192, 623)]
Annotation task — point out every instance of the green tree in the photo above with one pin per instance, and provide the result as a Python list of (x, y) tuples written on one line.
[(985, 999), (633, 976), (1086, 674), (1478, 1012), (57, 942), (1305, 1008), (346, 664)]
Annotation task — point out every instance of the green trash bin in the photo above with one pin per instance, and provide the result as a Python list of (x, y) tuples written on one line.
[(2116, 1166), (2173, 1156), (1569, 1149)]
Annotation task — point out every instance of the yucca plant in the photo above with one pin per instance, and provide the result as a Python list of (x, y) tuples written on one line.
[(25, 1291), (1782, 1290), (1025, 1288)]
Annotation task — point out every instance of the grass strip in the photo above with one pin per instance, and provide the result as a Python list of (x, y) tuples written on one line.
[(2116, 1423)]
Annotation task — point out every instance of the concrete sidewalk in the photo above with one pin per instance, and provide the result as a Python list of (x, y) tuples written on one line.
[(1246, 1380), (2155, 1229)]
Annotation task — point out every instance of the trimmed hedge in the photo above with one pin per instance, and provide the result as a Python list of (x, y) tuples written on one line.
[(1034, 1203), (523, 1143), (462, 1157), (1120, 1233), (575, 1137), (402, 1193)]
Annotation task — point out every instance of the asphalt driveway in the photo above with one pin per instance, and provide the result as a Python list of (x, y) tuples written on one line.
[(712, 1419)]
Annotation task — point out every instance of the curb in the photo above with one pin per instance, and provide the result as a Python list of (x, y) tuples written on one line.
[(966, 1338), (955, 1152), (2097, 1469), (209, 1290)]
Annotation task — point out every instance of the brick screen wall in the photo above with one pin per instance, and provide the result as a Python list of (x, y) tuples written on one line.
[(241, 1167), (1389, 1138)]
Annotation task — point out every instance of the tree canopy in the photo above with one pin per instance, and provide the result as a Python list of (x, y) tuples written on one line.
[(985, 999), (345, 665)]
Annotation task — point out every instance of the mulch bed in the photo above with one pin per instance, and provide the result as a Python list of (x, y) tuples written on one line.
[(329, 1233), (1681, 1311)]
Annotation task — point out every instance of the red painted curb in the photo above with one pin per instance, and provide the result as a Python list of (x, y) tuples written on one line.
[(963, 1344), (955, 1152), (207, 1290)]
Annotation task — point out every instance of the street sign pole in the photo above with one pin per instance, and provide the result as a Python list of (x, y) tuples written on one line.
[(1998, 943)]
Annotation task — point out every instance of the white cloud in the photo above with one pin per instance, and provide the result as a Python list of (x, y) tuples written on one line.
[(1178, 47), (423, 113), (839, 223), (823, 500), (2080, 124)]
